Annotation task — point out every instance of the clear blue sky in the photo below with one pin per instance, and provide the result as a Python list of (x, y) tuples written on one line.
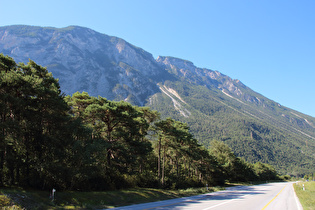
[(267, 44)]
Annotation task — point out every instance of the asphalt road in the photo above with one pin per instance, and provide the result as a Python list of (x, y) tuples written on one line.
[(263, 197)]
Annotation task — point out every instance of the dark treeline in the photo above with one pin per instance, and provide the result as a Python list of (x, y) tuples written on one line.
[(81, 142)]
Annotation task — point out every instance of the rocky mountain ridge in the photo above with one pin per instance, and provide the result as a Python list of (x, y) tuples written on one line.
[(85, 60), (114, 67), (62, 52)]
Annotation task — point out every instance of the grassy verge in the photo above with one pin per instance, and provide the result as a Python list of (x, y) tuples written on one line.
[(307, 196), (31, 199)]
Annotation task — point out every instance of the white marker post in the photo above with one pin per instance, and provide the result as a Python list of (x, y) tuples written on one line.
[(53, 194)]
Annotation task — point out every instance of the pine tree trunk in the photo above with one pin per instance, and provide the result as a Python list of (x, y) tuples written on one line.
[(108, 157), (163, 169), (1, 168), (2, 153), (177, 167), (159, 160), (27, 169)]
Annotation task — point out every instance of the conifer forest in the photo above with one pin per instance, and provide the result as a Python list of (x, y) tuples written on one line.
[(82, 142)]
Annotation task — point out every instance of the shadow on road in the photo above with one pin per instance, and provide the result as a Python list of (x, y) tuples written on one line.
[(232, 193)]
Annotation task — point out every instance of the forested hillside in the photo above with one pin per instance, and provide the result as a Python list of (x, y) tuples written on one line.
[(217, 107), (220, 118), (82, 142)]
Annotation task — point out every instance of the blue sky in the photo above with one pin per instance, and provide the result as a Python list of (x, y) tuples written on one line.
[(267, 44)]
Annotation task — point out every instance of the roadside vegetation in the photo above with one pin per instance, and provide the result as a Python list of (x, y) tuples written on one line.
[(17, 198), (34, 199), (306, 195)]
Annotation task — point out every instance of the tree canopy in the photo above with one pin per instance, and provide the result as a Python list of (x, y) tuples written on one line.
[(82, 142)]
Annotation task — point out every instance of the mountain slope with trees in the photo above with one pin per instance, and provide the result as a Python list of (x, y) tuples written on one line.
[(213, 105), (82, 142)]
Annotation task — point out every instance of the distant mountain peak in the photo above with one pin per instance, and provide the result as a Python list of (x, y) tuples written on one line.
[(176, 63)]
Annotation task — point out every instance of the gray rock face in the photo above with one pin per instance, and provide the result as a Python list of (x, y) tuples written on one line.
[(85, 60), (202, 76)]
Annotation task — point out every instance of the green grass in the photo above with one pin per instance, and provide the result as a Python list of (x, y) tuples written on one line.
[(32, 199), (307, 196)]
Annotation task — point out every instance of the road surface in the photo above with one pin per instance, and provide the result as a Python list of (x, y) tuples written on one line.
[(263, 197)]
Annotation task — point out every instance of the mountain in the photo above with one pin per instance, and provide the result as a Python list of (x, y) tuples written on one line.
[(214, 105), (85, 60)]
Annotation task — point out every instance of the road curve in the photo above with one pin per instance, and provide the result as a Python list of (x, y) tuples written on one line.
[(263, 197)]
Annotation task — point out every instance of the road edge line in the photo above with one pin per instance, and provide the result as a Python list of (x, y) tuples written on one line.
[(273, 198), (297, 200)]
